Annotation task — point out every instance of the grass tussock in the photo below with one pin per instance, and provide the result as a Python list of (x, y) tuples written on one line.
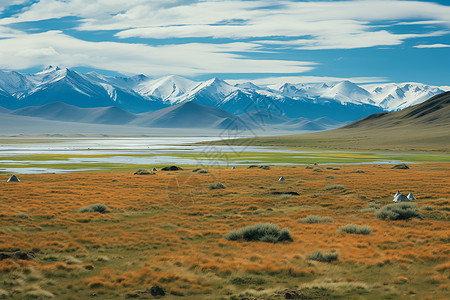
[(355, 229), (216, 186), (39, 294), (268, 232), (313, 219), (318, 255), (333, 187), (98, 207), (398, 211), (22, 216)]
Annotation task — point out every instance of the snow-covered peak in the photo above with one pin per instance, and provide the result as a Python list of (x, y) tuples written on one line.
[(49, 69), (248, 86), (13, 82), (166, 88), (292, 90), (118, 81), (49, 74), (213, 92), (215, 85), (347, 92), (395, 96)]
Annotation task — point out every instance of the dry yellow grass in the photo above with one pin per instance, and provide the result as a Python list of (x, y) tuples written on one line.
[(167, 230)]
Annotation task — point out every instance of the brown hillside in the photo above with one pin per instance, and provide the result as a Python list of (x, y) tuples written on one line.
[(422, 127)]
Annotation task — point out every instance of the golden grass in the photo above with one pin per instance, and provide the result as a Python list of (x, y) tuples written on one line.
[(157, 233)]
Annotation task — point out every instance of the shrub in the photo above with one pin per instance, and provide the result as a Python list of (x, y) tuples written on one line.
[(355, 229), (401, 167), (426, 207), (215, 186), (333, 187), (143, 172), (98, 207), (22, 216), (398, 211), (318, 255), (268, 232), (312, 219)]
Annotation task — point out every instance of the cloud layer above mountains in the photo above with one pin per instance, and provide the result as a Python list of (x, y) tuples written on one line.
[(259, 38)]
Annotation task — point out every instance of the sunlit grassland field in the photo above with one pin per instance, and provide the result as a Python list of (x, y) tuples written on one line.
[(168, 230)]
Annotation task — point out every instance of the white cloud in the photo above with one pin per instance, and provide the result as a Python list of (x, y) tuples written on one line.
[(6, 3), (307, 25), (37, 52), (433, 46), (6, 32), (178, 18), (351, 41), (324, 25), (56, 48), (429, 22)]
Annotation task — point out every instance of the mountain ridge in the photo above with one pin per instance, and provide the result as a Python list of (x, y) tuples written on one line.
[(342, 100)]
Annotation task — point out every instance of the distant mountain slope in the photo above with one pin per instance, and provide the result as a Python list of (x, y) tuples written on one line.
[(433, 112), (68, 113), (269, 119), (425, 126), (184, 115), (191, 115)]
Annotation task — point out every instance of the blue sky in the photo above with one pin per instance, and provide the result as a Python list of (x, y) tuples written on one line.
[(261, 40)]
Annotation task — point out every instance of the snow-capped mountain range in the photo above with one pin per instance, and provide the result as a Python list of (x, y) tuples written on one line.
[(341, 101)]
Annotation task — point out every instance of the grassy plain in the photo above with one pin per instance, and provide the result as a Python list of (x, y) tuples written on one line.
[(168, 230), (403, 139)]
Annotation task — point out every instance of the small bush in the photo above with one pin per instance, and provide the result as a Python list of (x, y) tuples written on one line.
[(268, 232), (215, 186), (318, 255), (143, 172), (98, 207), (355, 229), (401, 167), (312, 219), (285, 196), (333, 187), (398, 211), (22, 216)]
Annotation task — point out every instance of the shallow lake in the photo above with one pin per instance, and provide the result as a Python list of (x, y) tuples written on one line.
[(61, 155)]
